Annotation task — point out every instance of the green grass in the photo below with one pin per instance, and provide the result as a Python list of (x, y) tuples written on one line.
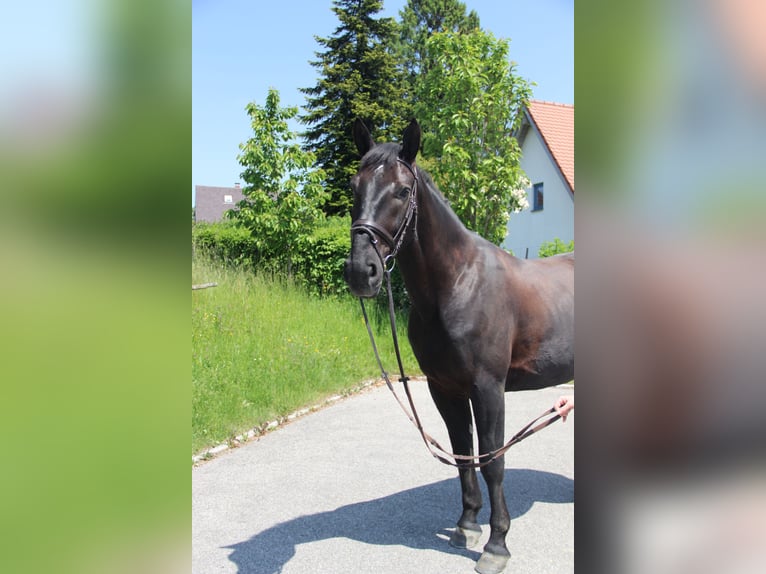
[(262, 348)]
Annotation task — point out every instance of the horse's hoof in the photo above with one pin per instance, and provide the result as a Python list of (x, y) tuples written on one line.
[(465, 537), (491, 563)]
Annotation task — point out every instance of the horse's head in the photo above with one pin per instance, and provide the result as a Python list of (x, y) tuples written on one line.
[(384, 207)]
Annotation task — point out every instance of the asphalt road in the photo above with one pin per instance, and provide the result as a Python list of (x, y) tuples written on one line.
[(351, 488)]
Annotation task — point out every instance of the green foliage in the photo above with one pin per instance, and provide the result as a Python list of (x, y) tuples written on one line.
[(359, 78), (226, 242), (283, 191), (317, 259), (419, 20), (469, 104), (555, 247), (320, 257)]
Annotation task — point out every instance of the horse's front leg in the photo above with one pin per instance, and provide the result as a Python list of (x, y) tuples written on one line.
[(456, 413), (488, 398)]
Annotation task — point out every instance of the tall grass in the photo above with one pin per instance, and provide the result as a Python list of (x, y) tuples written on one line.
[(262, 348)]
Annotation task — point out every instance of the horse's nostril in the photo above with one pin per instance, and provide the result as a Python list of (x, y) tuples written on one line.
[(373, 270)]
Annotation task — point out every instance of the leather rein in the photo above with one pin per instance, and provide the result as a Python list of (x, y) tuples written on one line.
[(394, 243)]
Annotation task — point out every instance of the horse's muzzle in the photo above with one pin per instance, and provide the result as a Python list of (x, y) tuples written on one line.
[(363, 271)]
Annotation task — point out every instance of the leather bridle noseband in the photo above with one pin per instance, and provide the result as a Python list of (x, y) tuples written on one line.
[(375, 231)]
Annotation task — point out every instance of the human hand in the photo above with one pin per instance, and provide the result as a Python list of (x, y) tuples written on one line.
[(563, 406)]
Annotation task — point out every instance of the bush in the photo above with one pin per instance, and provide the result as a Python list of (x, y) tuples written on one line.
[(226, 242), (319, 257), (555, 247)]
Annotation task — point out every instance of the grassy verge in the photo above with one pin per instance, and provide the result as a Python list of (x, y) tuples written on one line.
[(262, 348)]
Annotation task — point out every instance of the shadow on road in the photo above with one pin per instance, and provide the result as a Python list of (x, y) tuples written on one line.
[(418, 518)]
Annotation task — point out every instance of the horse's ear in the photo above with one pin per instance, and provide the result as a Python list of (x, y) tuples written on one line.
[(362, 137), (410, 142)]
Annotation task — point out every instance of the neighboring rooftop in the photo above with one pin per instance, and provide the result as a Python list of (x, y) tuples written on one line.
[(555, 122), (211, 202)]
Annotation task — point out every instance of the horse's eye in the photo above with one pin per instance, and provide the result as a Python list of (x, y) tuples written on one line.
[(403, 192)]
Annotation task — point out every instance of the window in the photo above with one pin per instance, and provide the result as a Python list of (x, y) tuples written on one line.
[(228, 199), (537, 197)]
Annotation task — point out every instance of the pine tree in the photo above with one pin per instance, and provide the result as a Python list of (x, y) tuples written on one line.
[(359, 78)]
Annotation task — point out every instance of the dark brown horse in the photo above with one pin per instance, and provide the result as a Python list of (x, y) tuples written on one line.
[(482, 322)]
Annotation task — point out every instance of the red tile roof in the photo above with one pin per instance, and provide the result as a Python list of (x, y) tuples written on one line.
[(555, 122)]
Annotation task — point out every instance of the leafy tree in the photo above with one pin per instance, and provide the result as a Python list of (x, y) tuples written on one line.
[(419, 20), (469, 104), (359, 79), (283, 192)]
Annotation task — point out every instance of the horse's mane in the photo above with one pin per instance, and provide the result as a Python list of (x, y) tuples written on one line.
[(426, 178)]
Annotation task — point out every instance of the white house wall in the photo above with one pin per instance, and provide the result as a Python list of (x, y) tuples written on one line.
[(532, 228)]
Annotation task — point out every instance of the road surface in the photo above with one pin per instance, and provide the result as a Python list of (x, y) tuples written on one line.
[(352, 488)]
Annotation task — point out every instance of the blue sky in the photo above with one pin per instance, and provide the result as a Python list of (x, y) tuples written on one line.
[(241, 48)]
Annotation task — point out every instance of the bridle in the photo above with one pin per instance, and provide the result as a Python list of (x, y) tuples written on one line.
[(375, 231), (394, 243)]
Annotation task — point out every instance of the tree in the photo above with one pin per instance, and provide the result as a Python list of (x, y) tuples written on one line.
[(419, 20), (359, 79), (283, 191), (469, 104)]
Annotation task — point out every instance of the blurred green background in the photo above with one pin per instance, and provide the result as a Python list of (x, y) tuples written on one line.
[(95, 139)]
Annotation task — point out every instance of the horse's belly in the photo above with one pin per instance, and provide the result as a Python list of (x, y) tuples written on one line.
[(525, 381)]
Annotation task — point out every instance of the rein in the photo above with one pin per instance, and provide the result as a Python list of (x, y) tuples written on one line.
[(437, 451)]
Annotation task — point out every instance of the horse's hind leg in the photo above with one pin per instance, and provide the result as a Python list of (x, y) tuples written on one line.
[(488, 401), (456, 413)]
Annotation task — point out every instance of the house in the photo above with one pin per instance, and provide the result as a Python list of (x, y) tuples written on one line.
[(212, 202), (546, 138)]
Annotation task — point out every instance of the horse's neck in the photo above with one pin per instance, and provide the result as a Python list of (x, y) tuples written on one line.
[(441, 245)]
